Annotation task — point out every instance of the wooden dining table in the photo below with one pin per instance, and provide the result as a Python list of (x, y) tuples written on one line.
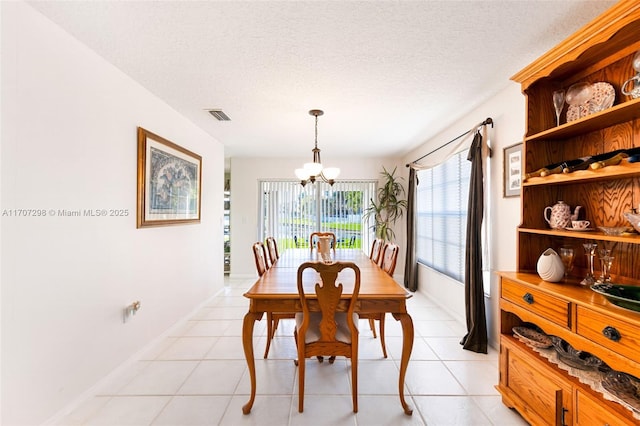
[(276, 291)]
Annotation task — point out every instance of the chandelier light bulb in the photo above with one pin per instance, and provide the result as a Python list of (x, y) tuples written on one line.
[(302, 174), (313, 169), (331, 173)]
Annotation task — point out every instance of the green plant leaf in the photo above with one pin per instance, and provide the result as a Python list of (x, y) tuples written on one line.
[(388, 207)]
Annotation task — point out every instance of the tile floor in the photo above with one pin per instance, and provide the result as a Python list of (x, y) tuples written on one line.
[(198, 376)]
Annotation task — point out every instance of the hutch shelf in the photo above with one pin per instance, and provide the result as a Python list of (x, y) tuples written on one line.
[(542, 391)]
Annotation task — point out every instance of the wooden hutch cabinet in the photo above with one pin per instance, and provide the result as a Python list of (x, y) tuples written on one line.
[(540, 390)]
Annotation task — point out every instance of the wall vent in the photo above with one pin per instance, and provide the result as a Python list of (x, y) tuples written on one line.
[(219, 114)]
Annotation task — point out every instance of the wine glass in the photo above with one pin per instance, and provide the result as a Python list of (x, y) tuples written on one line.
[(603, 253), (579, 94), (566, 254), (606, 268), (558, 104), (590, 251)]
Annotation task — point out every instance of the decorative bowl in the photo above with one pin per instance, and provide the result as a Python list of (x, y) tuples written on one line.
[(578, 359), (634, 220), (623, 386), (613, 230), (625, 296), (532, 337)]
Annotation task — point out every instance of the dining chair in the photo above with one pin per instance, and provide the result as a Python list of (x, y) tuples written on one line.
[(272, 249), (314, 236), (383, 247), (327, 332), (273, 318), (376, 249), (260, 256), (374, 255), (388, 259)]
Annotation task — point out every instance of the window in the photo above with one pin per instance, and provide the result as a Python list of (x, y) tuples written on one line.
[(441, 209), (290, 212)]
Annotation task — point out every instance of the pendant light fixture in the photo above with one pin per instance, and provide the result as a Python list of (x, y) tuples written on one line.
[(312, 171)]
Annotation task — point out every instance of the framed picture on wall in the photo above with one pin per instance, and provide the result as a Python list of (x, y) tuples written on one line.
[(169, 182), (512, 170)]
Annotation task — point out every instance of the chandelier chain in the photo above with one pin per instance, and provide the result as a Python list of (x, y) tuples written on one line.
[(316, 132)]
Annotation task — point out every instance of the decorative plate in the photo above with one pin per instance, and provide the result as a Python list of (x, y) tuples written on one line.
[(625, 296), (578, 359), (579, 229), (532, 337), (624, 386), (614, 230), (602, 98)]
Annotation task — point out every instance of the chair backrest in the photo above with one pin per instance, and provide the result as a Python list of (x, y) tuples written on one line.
[(272, 248), (376, 249), (389, 258), (329, 297), (383, 246), (314, 236), (260, 256)]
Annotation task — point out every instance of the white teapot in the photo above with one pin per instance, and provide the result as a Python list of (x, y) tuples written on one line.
[(634, 82), (634, 87), (559, 216)]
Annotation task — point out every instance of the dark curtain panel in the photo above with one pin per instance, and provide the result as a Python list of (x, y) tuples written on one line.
[(476, 338), (411, 266)]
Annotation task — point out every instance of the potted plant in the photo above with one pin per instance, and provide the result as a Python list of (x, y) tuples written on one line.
[(388, 207)]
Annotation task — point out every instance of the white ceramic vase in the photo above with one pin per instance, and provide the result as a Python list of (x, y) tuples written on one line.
[(324, 247), (550, 267)]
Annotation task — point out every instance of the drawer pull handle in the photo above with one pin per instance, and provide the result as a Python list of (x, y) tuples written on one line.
[(528, 297), (564, 412), (611, 333)]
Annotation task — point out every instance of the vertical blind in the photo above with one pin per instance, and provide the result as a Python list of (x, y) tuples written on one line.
[(441, 209), (290, 212)]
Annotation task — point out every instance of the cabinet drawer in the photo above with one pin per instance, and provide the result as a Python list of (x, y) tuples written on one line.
[(547, 396), (615, 334), (590, 412), (552, 308)]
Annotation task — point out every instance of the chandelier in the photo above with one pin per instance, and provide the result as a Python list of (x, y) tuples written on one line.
[(312, 171)]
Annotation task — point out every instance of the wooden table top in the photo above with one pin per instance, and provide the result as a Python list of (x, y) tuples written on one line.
[(280, 281)]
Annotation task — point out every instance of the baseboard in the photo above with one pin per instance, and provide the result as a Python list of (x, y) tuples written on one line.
[(93, 390)]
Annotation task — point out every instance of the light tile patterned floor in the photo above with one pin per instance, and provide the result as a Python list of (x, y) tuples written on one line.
[(198, 376)]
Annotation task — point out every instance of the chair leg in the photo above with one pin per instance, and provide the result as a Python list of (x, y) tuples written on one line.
[(372, 325), (301, 365), (382, 342), (354, 380), (270, 332)]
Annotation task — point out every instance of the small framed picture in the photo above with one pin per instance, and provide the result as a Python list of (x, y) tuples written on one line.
[(169, 181), (512, 170)]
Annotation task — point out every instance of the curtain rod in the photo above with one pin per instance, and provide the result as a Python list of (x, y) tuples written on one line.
[(484, 123)]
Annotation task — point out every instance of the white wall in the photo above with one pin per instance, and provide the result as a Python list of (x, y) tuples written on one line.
[(245, 174), (506, 109), (69, 142)]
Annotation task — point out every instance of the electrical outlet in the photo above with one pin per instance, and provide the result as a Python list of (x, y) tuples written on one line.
[(126, 314), (130, 310)]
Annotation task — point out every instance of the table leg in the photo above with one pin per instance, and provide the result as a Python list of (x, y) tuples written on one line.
[(407, 346), (247, 343)]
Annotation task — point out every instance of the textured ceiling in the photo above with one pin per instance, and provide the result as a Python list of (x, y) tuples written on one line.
[(388, 74)]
